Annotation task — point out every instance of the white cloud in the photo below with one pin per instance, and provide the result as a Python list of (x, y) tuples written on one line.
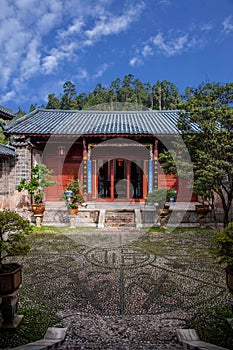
[(82, 74), (74, 28), (7, 10), (228, 24), (31, 64), (35, 39), (170, 47), (8, 96), (135, 61), (147, 50), (101, 70), (47, 22), (108, 25), (207, 27)]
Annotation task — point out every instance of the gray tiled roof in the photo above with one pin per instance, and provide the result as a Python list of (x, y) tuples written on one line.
[(6, 113), (85, 122), (7, 151)]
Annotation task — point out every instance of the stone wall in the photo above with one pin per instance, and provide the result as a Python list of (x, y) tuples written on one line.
[(12, 171), (24, 161), (7, 181)]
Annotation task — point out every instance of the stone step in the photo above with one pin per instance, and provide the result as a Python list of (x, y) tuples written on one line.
[(119, 218), (191, 341), (52, 339)]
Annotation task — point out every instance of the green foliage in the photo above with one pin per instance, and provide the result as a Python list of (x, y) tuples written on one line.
[(34, 325), (224, 240), (13, 231), (212, 326), (161, 95), (53, 102), (165, 95), (210, 108), (160, 195), (41, 178), (171, 193), (74, 198)]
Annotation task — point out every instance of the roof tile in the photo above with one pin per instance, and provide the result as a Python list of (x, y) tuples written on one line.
[(85, 122)]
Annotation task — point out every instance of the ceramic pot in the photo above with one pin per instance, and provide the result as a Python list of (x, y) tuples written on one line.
[(38, 209), (10, 278)]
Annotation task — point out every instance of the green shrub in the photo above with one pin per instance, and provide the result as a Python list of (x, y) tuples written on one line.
[(13, 231), (224, 240)]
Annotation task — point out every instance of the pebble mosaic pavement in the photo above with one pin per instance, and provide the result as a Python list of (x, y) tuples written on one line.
[(112, 295)]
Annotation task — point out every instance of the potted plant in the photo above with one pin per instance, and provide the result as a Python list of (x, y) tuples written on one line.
[(171, 194), (201, 188), (224, 241), (159, 196), (13, 242), (41, 178), (73, 196)]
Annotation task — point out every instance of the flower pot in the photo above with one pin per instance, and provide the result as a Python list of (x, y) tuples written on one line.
[(73, 211), (10, 278), (229, 279), (38, 209), (164, 211), (202, 209)]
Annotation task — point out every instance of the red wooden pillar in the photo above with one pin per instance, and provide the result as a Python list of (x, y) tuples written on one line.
[(128, 178), (145, 179), (84, 175), (156, 157), (112, 185)]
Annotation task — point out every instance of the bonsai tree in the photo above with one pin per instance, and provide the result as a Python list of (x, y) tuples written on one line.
[(160, 195), (224, 240), (13, 235), (171, 193), (72, 194), (41, 178)]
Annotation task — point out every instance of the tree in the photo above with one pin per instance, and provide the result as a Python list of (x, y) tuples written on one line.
[(126, 91), (41, 178), (69, 93), (32, 108), (53, 102), (165, 95), (20, 113), (209, 106)]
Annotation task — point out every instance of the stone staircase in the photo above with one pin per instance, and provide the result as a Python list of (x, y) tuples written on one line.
[(120, 218)]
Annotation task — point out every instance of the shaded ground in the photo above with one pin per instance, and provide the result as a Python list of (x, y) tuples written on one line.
[(117, 289)]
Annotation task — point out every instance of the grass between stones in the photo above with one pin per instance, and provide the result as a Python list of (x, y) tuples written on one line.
[(57, 277)]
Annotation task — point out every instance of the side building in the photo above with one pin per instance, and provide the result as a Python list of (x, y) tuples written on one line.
[(8, 158)]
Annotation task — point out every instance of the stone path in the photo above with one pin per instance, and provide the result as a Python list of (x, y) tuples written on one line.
[(112, 295)]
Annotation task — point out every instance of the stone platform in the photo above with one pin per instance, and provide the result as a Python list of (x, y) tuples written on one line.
[(121, 214)]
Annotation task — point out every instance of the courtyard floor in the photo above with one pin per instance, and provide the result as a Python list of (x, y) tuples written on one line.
[(118, 288)]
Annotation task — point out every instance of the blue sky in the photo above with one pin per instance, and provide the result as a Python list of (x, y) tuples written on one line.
[(45, 43)]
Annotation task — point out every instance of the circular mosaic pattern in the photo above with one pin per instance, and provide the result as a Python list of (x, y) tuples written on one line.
[(119, 258)]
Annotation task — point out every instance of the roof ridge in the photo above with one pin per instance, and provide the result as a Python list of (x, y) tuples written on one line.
[(106, 111)]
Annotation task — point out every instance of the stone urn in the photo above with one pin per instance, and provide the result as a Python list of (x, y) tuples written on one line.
[(38, 209), (10, 278), (10, 282), (202, 210), (72, 211)]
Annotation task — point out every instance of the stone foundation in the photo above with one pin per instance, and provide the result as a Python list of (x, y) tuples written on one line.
[(91, 218)]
